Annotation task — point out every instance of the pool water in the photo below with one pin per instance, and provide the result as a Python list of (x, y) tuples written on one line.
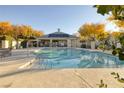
[(55, 58)]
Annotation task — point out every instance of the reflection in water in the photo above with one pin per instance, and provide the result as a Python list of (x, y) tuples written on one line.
[(96, 59)]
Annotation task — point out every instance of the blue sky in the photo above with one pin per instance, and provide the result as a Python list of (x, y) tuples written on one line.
[(49, 18)]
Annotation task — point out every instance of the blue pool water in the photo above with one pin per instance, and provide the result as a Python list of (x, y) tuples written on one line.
[(54, 58)]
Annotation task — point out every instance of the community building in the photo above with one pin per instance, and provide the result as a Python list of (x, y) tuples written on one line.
[(56, 39)]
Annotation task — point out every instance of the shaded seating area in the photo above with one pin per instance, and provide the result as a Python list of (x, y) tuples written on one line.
[(4, 52), (59, 43), (55, 39)]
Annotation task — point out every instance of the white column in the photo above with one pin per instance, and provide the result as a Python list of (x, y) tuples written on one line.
[(74, 43), (14, 44), (37, 43), (5, 44), (27, 45), (50, 42), (69, 42), (78, 43), (19, 44), (92, 44)]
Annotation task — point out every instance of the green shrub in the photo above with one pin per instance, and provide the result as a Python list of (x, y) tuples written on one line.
[(102, 84), (119, 50), (113, 47), (101, 46), (121, 56), (114, 52)]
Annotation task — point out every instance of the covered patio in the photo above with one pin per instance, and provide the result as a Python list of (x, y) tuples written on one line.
[(52, 42), (56, 39)]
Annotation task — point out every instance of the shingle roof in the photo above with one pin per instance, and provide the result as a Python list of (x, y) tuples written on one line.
[(58, 34)]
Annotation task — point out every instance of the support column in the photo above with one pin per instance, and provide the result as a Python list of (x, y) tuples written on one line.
[(51, 42), (73, 43), (27, 44), (37, 43), (14, 44), (92, 44), (5, 44), (78, 43), (69, 43)]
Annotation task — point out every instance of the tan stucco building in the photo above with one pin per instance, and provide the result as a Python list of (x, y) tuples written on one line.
[(56, 39)]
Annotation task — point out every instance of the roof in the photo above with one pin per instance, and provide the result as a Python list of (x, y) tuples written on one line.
[(58, 34)]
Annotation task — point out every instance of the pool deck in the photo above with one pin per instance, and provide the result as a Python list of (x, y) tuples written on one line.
[(11, 76)]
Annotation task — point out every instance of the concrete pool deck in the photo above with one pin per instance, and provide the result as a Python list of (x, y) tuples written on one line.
[(62, 78), (11, 76), (19, 57)]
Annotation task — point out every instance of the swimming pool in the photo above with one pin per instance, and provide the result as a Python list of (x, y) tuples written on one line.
[(57, 58)]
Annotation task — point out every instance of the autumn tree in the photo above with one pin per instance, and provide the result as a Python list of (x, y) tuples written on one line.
[(27, 32), (5, 29), (116, 15), (95, 32), (116, 35), (17, 32), (37, 33), (91, 31)]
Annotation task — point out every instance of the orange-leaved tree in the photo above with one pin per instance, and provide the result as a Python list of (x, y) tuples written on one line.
[(91, 31), (5, 29)]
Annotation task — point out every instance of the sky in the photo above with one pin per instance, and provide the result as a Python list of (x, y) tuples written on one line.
[(49, 18)]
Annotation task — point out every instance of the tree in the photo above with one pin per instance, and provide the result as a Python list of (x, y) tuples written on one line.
[(91, 31), (117, 15), (117, 11), (37, 33), (5, 29), (121, 38), (16, 34), (118, 23), (102, 36), (27, 32), (116, 36)]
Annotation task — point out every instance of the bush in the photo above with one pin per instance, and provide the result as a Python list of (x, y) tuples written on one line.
[(119, 50), (121, 56), (101, 46), (113, 47), (114, 52)]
